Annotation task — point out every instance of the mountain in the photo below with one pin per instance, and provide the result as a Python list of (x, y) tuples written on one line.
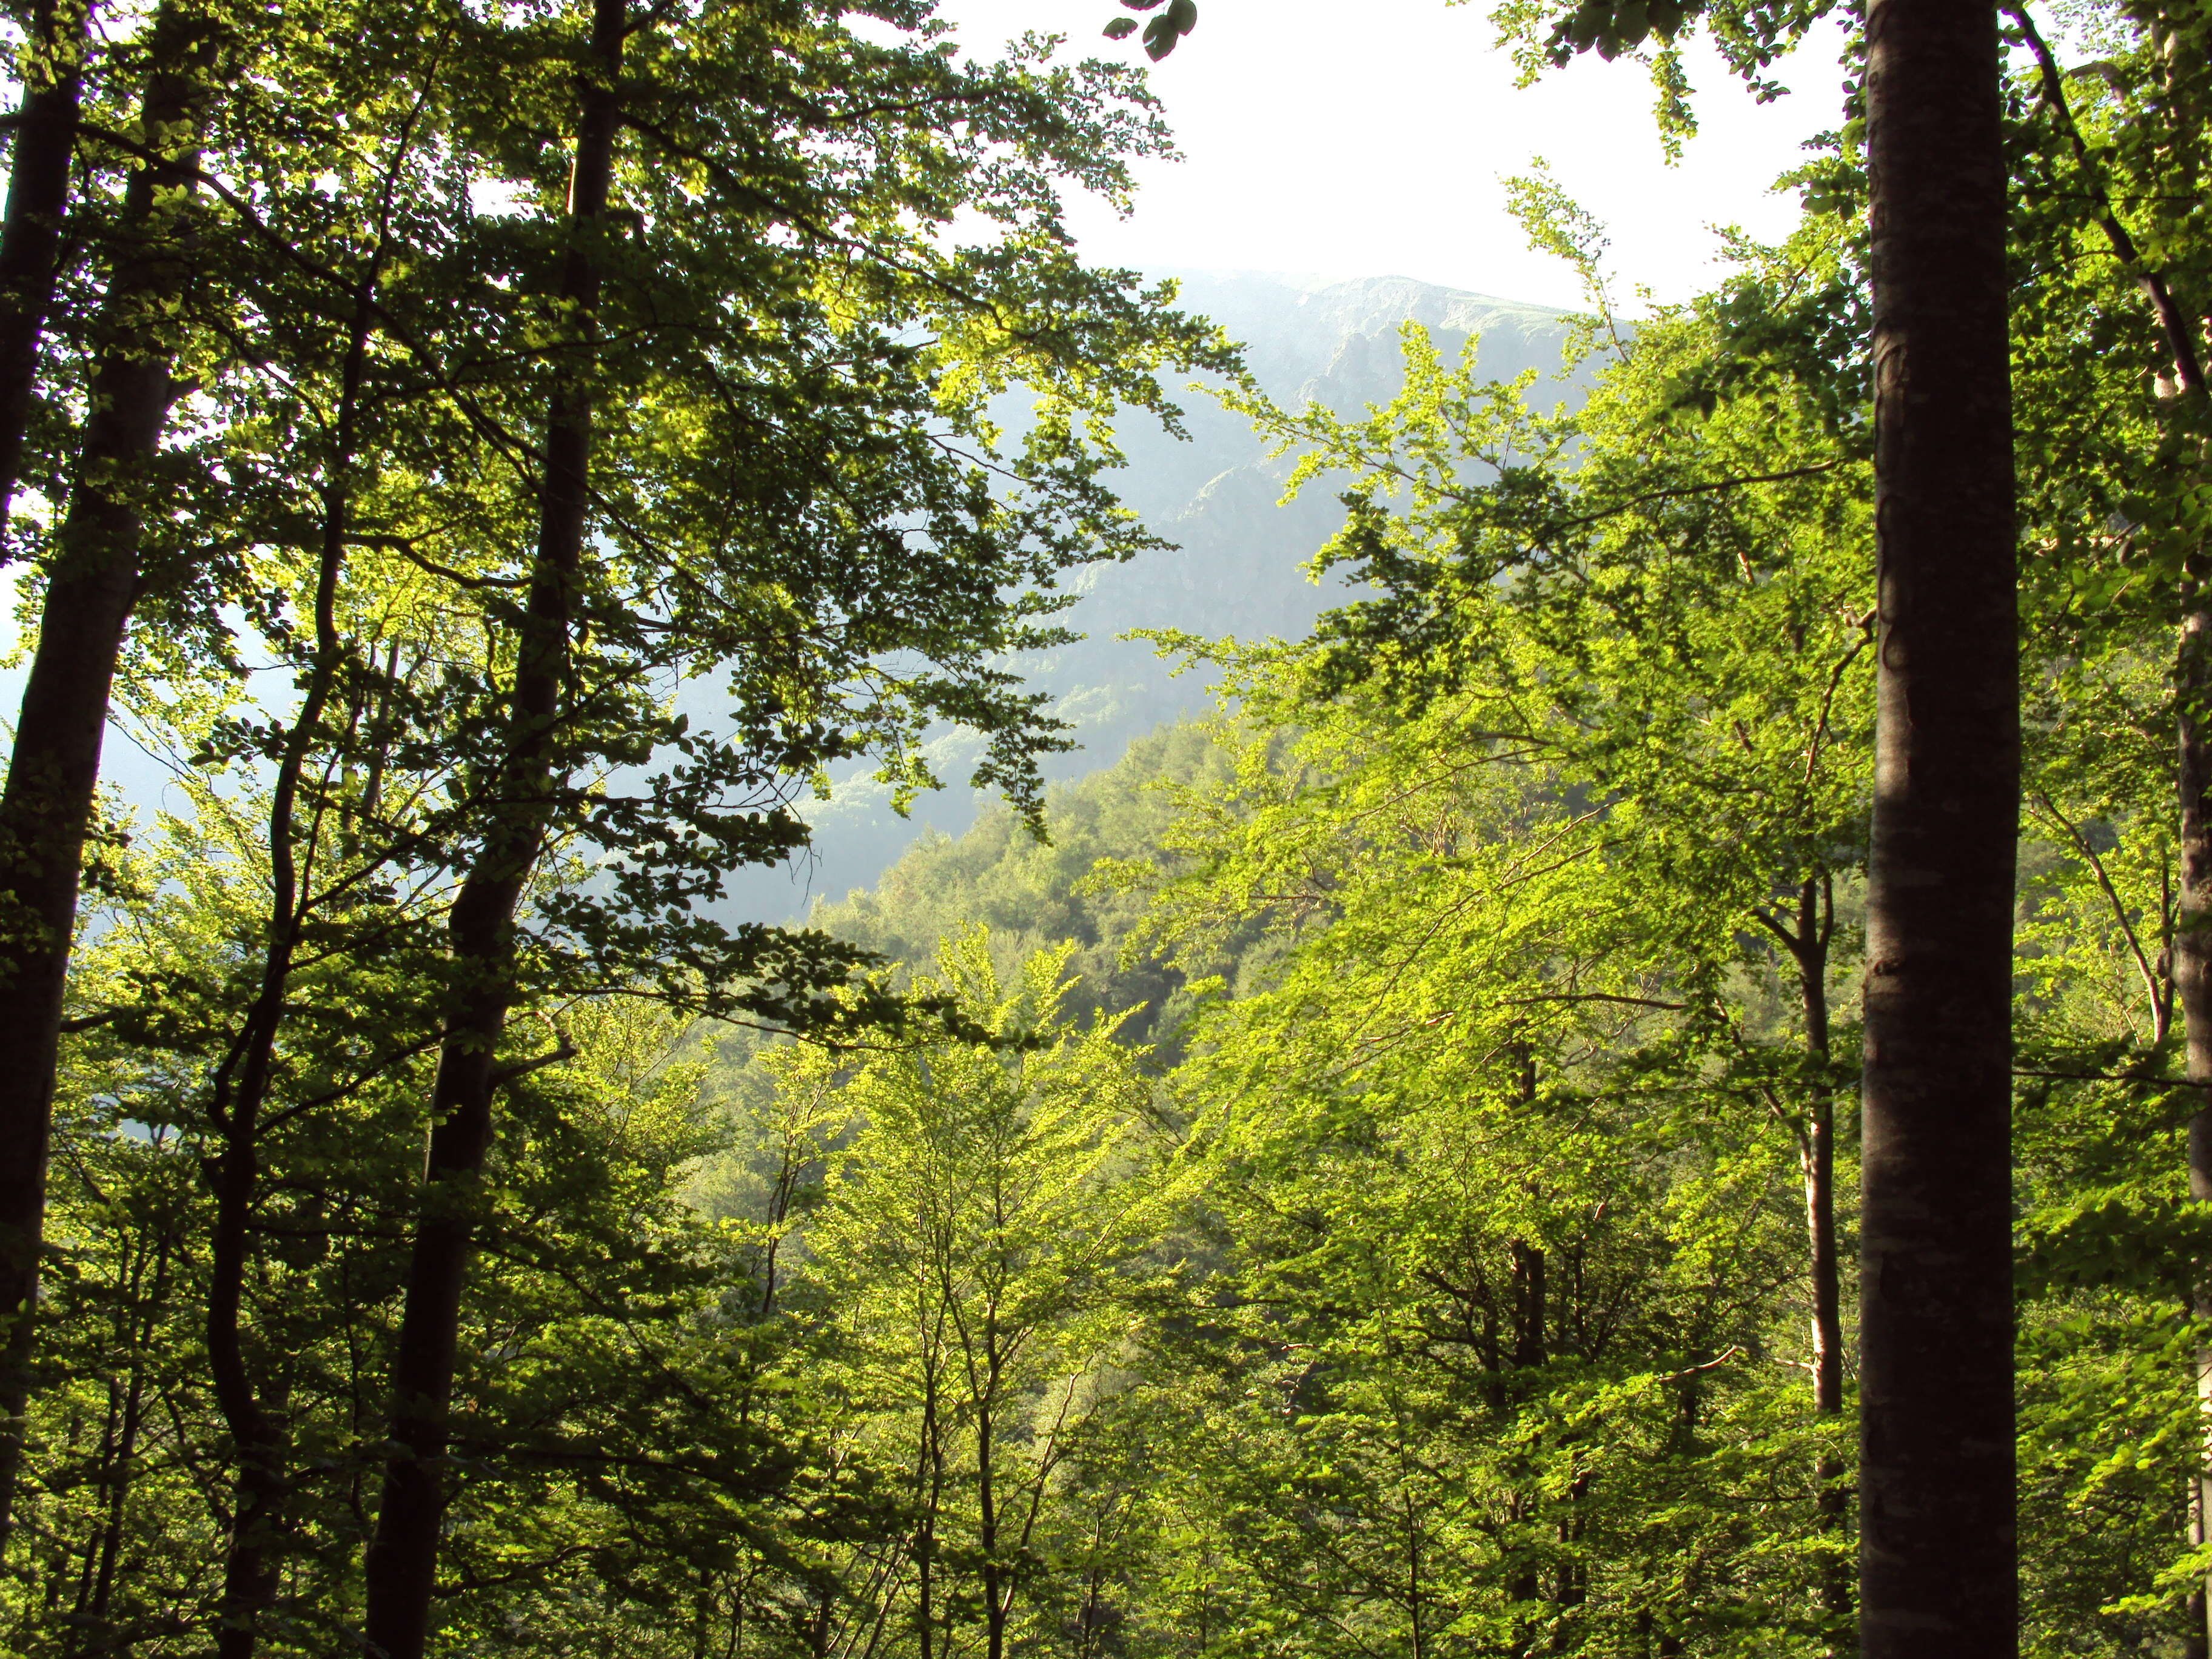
[(1238, 564)]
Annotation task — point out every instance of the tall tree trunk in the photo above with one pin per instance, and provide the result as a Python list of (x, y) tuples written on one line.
[(1937, 1554), (403, 1556), (46, 807), (1816, 925), (929, 1479), (250, 1565), (1526, 1276), (241, 1084), (38, 200), (2192, 976), (134, 1416)]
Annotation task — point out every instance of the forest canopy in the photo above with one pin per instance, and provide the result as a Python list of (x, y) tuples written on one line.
[(1373, 1171)]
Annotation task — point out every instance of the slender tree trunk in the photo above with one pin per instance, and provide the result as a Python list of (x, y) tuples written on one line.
[(88, 1556), (1529, 1301), (1816, 920), (1938, 1561), (403, 1556), (82, 1636), (1572, 1590), (1808, 945), (1527, 1275), (703, 1613), (125, 1469), (1412, 1568), (38, 201), (1525, 1282), (994, 1603), (46, 807), (930, 1478), (251, 1565)]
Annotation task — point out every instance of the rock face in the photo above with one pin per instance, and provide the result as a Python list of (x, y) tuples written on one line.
[(1238, 565)]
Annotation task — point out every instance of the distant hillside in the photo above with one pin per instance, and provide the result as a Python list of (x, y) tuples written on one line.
[(1032, 895), (1238, 568)]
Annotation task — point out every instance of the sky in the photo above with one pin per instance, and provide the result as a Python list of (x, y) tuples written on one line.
[(1370, 139)]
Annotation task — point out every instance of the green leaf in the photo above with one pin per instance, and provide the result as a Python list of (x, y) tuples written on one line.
[(1183, 14), (1160, 36), (1120, 28)]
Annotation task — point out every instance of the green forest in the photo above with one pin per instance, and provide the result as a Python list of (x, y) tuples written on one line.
[(1644, 1089)]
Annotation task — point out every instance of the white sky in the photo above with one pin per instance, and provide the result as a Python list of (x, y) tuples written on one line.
[(1368, 138)]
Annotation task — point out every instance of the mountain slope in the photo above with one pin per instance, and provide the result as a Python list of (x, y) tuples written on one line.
[(1238, 565)]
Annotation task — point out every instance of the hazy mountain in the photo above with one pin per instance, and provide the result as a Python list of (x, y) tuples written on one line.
[(1238, 568)]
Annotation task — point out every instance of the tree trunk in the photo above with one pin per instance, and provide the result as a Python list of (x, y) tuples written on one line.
[(403, 1556), (38, 200), (1808, 945), (250, 1566), (241, 1084), (2192, 976), (1529, 1304), (1938, 1567), (1816, 923), (929, 1478), (46, 807), (134, 1321), (987, 1500), (123, 1471), (1525, 1278)]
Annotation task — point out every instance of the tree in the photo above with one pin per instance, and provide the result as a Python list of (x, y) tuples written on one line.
[(92, 586), (1678, 622), (1938, 1571), (971, 1254), (789, 498), (1938, 1563)]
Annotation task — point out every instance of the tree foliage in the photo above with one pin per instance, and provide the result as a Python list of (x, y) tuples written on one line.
[(1373, 1171)]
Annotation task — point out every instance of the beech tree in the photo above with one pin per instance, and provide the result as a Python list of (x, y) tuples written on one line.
[(1657, 602), (973, 1255), (93, 581)]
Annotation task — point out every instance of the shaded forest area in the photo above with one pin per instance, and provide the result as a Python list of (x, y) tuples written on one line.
[(1376, 1172)]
